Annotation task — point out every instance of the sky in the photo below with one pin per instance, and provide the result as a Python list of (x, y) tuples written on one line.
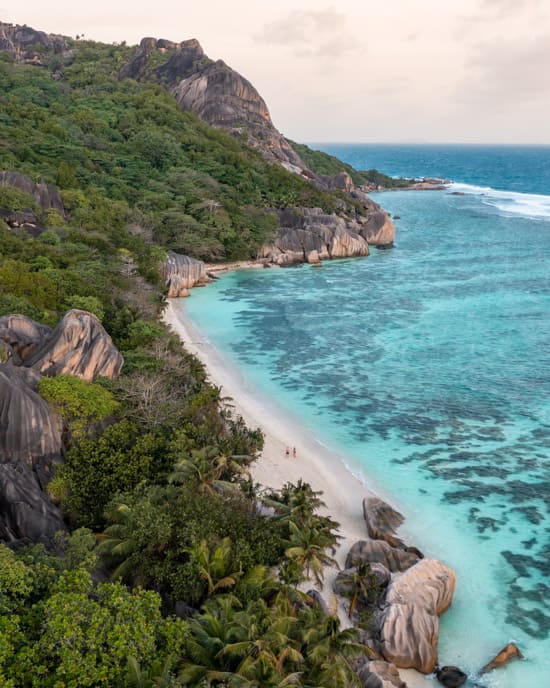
[(468, 71)]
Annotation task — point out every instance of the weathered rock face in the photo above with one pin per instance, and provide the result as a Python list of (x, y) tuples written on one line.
[(309, 234), (22, 336), (26, 513), (182, 60), (223, 98), (80, 346), (382, 520), (30, 431), (21, 42), (46, 195), (379, 551), (378, 674), (409, 623), (181, 273)]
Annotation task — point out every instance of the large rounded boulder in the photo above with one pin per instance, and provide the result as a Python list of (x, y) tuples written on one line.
[(80, 346), (31, 433), (409, 623)]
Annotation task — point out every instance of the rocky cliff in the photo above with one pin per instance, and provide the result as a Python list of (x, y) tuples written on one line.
[(30, 437), (22, 42), (181, 273)]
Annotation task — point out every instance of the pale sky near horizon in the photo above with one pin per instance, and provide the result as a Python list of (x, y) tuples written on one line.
[(354, 70)]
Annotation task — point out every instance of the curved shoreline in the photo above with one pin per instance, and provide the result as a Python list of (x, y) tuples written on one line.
[(315, 463)]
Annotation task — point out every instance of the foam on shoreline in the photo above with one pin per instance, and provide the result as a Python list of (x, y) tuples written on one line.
[(314, 463)]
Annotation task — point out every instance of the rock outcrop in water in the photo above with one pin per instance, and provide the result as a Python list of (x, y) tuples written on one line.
[(507, 654), (181, 273), (79, 346), (409, 622)]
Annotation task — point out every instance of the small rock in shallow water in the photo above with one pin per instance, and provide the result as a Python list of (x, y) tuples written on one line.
[(511, 651), (451, 676)]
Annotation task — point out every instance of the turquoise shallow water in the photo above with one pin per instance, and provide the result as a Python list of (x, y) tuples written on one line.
[(427, 367)]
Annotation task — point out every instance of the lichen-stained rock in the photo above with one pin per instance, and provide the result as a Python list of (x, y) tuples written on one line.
[(22, 335), (379, 551), (382, 520), (378, 674), (80, 346), (45, 195), (409, 623), (26, 513), (30, 432), (181, 273)]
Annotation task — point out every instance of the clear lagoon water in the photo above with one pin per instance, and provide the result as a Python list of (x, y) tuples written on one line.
[(427, 367)]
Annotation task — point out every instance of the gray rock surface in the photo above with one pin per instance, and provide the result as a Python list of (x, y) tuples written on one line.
[(26, 512), (80, 346), (409, 624), (379, 551), (30, 432), (382, 520), (22, 335), (223, 98), (379, 674), (181, 273), (21, 42), (182, 59), (45, 195), (309, 234)]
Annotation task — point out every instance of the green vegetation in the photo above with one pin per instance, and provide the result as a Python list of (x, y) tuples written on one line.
[(323, 163), (163, 517)]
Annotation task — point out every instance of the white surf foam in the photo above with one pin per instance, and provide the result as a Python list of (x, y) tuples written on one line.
[(528, 205)]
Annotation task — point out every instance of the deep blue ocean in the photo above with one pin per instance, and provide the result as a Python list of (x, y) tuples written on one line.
[(427, 367)]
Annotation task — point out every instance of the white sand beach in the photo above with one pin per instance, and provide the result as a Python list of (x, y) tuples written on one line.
[(324, 470)]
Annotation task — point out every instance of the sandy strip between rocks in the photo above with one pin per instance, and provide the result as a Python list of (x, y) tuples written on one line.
[(315, 463)]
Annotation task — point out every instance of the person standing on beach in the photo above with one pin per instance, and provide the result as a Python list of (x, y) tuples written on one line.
[(294, 452), (287, 452)]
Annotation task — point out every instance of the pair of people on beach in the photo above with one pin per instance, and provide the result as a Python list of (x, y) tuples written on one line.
[(288, 452)]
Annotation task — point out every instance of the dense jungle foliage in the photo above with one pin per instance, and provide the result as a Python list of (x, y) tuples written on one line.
[(176, 569)]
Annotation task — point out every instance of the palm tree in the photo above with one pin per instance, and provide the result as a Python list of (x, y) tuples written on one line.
[(307, 547), (158, 676), (331, 651), (215, 565), (210, 470), (363, 587), (117, 543)]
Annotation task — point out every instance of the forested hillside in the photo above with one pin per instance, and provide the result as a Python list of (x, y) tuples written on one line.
[(172, 567)]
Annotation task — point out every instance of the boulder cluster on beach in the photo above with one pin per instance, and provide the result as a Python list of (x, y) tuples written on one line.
[(402, 594)]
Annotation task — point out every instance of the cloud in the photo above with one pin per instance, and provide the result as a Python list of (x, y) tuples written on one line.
[(508, 73), (314, 33)]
